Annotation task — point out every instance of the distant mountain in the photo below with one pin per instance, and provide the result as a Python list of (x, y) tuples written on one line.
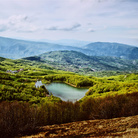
[(113, 50), (14, 49), (78, 62), (69, 42)]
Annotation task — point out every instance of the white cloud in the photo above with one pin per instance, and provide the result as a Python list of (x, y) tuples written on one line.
[(13, 20), (19, 23), (55, 18), (3, 28), (91, 30), (69, 28)]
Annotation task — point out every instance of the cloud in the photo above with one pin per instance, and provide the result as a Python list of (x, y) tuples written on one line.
[(70, 28), (73, 27), (16, 19), (52, 28), (18, 23), (129, 0), (52, 19), (91, 30), (3, 28)]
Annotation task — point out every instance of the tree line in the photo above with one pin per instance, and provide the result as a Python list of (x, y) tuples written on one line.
[(21, 118)]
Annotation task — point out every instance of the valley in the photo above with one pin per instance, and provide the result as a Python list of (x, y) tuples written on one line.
[(69, 68), (110, 84)]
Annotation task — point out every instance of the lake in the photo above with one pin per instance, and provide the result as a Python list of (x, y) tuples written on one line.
[(65, 91)]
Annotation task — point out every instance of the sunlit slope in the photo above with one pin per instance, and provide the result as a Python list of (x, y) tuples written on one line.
[(81, 63)]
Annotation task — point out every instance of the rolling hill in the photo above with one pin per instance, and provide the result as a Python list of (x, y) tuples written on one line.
[(113, 50), (15, 49), (80, 63)]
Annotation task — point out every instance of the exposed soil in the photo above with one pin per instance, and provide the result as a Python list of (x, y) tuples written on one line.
[(124, 127)]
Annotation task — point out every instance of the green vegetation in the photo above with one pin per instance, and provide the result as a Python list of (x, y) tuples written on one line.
[(113, 85), (23, 107), (83, 64), (21, 86), (15, 87)]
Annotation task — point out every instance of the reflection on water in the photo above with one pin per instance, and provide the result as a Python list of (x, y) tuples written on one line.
[(66, 92)]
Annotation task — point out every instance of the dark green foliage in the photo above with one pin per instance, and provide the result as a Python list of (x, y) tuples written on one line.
[(111, 73), (75, 80), (104, 87), (80, 63), (5, 76), (43, 89), (15, 87)]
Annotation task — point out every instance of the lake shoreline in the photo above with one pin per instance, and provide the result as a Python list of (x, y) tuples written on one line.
[(76, 86), (69, 84), (65, 91)]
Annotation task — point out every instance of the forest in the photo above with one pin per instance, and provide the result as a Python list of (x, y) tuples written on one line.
[(83, 64), (23, 107)]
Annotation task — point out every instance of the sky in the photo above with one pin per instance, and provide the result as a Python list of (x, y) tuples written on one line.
[(87, 20)]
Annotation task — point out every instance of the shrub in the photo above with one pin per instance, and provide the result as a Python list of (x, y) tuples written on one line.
[(16, 118), (21, 118)]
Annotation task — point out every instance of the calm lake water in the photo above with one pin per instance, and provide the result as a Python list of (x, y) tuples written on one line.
[(66, 92)]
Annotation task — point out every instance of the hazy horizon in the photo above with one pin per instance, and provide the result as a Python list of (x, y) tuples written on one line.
[(84, 20)]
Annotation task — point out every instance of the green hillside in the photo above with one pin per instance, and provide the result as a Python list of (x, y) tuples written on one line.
[(23, 107), (80, 63), (28, 72)]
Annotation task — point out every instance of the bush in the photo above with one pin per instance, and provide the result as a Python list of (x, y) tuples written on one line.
[(21, 118), (111, 106), (16, 118)]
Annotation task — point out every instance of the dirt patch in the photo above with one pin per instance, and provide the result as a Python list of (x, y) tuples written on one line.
[(125, 127)]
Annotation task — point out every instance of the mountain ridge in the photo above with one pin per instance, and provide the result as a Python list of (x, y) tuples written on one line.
[(113, 49), (78, 62), (15, 49)]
